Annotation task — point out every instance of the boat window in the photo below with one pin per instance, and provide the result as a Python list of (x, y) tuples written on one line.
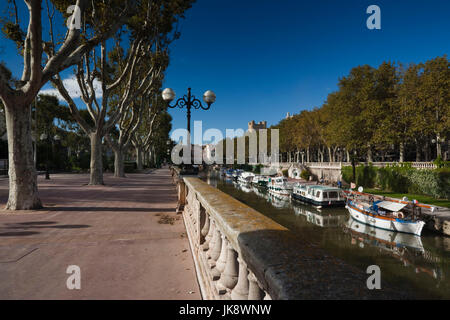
[(332, 194), (325, 195), (318, 194)]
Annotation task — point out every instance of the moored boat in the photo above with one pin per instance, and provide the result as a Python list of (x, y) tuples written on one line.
[(385, 214), (317, 195), (260, 181), (245, 177), (280, 186)]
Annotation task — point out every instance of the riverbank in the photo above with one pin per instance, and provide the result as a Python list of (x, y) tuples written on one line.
[(421, 198)]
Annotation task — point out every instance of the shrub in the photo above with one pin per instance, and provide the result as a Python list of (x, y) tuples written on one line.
[(394, 178), (403, 179), (257, 169), (305, 174)]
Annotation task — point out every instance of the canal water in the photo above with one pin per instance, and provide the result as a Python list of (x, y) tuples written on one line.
[(418, 265)]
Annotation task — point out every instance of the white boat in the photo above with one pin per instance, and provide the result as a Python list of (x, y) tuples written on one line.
[(280, 186), (386, 215), (260, 181), (246, 177), (317, 195)]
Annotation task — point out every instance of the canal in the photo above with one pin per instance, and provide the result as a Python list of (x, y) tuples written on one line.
[(418, 265)]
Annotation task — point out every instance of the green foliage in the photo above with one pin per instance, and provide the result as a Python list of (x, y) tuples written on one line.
[(393, 178), (13, 32), (402, 179), (373, 110), (257, 169), (305, 174), (441, 163)]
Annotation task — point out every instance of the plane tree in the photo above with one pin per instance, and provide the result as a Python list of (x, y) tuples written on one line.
[(43, 58)]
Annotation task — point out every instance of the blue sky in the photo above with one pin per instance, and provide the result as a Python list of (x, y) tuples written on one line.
[(264, 58)]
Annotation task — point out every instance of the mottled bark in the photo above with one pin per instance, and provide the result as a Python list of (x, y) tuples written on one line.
[(402, 152), (119, 166), (96, 177), (438, 146), (23, 191)]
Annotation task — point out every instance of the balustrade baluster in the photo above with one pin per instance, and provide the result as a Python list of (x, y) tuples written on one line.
[(254, 290), (230, 274), (240, 291)]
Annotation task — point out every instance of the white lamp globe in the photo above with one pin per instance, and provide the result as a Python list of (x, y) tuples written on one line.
[(168, 94), (209, 97)]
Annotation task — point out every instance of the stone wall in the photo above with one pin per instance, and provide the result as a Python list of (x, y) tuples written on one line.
[(241, 254)]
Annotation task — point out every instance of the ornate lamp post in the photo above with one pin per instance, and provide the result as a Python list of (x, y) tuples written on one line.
[(189, 101)]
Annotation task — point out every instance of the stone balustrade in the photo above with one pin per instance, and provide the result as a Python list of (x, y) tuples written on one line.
[(240, 254), (339, 165)]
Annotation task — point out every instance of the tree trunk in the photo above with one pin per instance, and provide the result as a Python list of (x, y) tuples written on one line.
[(427, 151), (96, 177), (119, 166), (438, 146), (23, 191), (348, 156), (417, 152), (402, 152), (139, 158), (369, 154)]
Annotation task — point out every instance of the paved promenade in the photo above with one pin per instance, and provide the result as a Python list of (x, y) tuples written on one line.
[(120, 235)]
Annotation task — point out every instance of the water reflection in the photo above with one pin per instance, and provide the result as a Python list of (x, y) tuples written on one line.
[(325, 219), (415, 264)]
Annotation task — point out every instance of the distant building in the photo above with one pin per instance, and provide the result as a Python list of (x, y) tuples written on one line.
[(252, 125), (288, 115)]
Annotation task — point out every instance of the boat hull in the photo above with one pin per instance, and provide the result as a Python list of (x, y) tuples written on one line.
[(398, 225)]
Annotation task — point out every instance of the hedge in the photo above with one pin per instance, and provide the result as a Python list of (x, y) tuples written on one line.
[(402, 179)]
